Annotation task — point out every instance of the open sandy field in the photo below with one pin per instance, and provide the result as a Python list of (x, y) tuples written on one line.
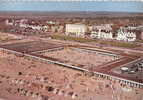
[(22, 78), (80, 57), (7, 37)]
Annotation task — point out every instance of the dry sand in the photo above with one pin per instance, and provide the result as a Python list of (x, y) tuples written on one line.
[(20, 76)]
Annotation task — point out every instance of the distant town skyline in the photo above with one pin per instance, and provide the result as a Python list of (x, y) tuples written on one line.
[(111, 6)]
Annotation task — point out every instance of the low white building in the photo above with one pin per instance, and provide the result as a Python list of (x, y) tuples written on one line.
[(126, 35), (76, 29), (23, 25), (106, 27), (35, 27)]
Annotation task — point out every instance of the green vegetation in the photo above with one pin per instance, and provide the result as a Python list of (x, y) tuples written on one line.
[(140, 41), (76, 39), (119, 44), (111, 43)]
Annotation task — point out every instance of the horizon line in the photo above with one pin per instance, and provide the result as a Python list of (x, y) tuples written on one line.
[(70, 11)]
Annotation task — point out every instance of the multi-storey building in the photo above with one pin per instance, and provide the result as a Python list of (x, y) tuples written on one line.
[(76, 29), (102, 34), (102, 31), (125, 35)]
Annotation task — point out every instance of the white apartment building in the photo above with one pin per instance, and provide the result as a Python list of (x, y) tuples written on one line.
[(7, 22), (126, 36), (76, 29), (101, 34)]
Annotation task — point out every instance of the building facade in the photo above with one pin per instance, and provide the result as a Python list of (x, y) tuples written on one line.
[(124, 35), (142, 35), (76, 29), (101, 34)]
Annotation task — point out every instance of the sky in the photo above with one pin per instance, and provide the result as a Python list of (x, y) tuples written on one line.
[(113, 6)]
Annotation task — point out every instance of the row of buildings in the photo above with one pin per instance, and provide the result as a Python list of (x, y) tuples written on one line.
[(105, 31), (48, 26)]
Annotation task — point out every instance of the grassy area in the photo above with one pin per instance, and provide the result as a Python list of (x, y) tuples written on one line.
[(119, 44), (76, 39), (111, 43), (140, 41)]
